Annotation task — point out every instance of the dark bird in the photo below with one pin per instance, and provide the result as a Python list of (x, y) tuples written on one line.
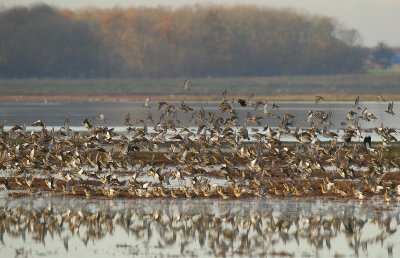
[(390, 108), (242, 102), (133, 148), (367, 140)]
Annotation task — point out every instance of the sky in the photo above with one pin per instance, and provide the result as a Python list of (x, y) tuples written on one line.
[(376, 20)]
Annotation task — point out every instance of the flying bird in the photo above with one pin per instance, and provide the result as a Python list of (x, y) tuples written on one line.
[(390, 108), (242, 102), (127, 120), (147, 103), (15, 128), (223, 96), (87, 124), (101, 117), (186, 85), (318, 99), (38, 123), (250, 100), (356, 102)]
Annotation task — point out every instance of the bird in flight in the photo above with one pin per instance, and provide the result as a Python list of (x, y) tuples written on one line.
[(186, 85), (38, 123), (245, 103), (318, 99), (390, 108), (147, 103), (356, 103), (242, 102), (101, 117)]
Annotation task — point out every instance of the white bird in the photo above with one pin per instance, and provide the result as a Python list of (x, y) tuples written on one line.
[(101, 117), (147, 103)]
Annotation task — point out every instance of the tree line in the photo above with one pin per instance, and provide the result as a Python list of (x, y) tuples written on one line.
[(195, 41)]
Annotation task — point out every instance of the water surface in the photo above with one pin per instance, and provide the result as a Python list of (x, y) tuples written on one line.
[(72, 227), (53, 114)]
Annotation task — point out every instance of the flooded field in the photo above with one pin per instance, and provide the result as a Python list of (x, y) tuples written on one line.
[(290, 179), (20, 113), (72, 227)]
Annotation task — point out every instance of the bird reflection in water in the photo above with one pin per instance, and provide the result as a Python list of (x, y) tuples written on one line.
[(203, 227)]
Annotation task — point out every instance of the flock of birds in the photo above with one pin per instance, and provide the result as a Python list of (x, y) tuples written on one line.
[(224, 230), (223, 157)]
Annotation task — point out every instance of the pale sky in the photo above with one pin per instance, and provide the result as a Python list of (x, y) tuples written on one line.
[(376, 20)]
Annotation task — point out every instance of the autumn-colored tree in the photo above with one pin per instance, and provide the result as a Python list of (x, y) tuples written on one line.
[(41, 41)]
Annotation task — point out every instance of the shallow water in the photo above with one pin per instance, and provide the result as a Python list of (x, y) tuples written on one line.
[(80, 227), (53, 114), (72, 227)]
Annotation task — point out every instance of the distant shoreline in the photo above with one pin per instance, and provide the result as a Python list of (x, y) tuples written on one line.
[(279, 88)]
